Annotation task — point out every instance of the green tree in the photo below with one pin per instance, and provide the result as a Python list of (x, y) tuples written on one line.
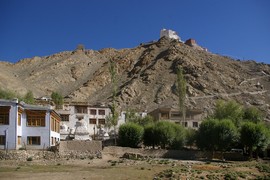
[(130, 135), (191, 135), (115, 114), (179, 137), (144, 121), (206, 135), (131, 116), (181, 90), (29, 98), (216, 134), (165, 133), (149, 136), (229, 110), (226, 134), (57, 99), (253, 114), (7, 94), (254, 137)]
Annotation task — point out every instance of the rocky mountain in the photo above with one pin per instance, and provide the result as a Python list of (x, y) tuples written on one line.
[(146, 76)]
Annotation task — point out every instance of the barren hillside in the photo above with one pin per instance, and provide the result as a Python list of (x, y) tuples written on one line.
[(146, 76)]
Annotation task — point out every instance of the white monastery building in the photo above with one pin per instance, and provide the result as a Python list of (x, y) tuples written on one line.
[(27, 126), (82, 121), (169, 34)]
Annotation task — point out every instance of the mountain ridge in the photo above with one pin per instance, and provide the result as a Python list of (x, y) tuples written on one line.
[(146, 76)]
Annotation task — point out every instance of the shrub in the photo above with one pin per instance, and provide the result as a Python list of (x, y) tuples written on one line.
[(7, 94), (165, 133), (130, 135), (190, 136), (149, 138), (179, 136), (57, 99), (263, 168), (29, 159), (254, 136), (29, 98)]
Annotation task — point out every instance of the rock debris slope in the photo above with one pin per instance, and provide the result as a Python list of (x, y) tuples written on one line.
[(146, 76)]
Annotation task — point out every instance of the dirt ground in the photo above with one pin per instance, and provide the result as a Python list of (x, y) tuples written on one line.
[(112, 167)]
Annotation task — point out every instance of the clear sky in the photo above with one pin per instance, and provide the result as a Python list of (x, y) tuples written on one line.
[(237, 28)]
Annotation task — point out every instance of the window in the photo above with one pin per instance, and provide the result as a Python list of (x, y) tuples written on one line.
[(64, 117), (55, 124), (35, 118), (101, 121), (19, 140), (184, 124), (93, 111), (195, 124), (101, 112), (52, 141), (33, 140), (19, 119), (81, 109), (2, 140), (175, 115), (92, 121), (4, 115), (165, 115)]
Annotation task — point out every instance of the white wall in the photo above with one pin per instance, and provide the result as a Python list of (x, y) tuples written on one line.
[(43, 132), (14, 130), (73, 118), (11, 128), (169, 34)]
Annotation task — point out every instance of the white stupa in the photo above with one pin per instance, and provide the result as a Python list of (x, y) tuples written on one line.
[(81, 132)]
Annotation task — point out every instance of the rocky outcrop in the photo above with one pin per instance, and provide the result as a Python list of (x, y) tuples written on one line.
[(146, 76)]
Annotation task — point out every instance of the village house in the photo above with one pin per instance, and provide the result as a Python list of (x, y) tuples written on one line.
[(84, 117), (27, 126), (193, 117)]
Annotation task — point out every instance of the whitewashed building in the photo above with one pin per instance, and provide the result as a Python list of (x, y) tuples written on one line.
[(82, 115), (27, 126), (169, 34)]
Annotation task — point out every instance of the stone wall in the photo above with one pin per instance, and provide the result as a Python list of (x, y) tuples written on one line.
[(82, 146), (23, 155), (175, 154), (67, 150)]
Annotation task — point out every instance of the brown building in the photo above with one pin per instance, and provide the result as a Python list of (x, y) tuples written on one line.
[(193, 117), (191, 42)]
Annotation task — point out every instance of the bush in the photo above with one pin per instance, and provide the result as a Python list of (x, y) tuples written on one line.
[(179, 137), (130, 135), (149, 138), (29, 159), (29, 98), (165, 134), (7, 94), (254, 136), (206, 135), (190, 136), (57, 99)]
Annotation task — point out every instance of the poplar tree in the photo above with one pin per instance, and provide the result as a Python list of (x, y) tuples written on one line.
[(181, 90), (113, 120)]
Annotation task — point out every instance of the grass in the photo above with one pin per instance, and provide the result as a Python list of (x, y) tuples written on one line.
[(263, 167), (131, 169)]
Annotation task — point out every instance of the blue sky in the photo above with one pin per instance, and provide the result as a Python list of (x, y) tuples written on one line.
[(237, 28)]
